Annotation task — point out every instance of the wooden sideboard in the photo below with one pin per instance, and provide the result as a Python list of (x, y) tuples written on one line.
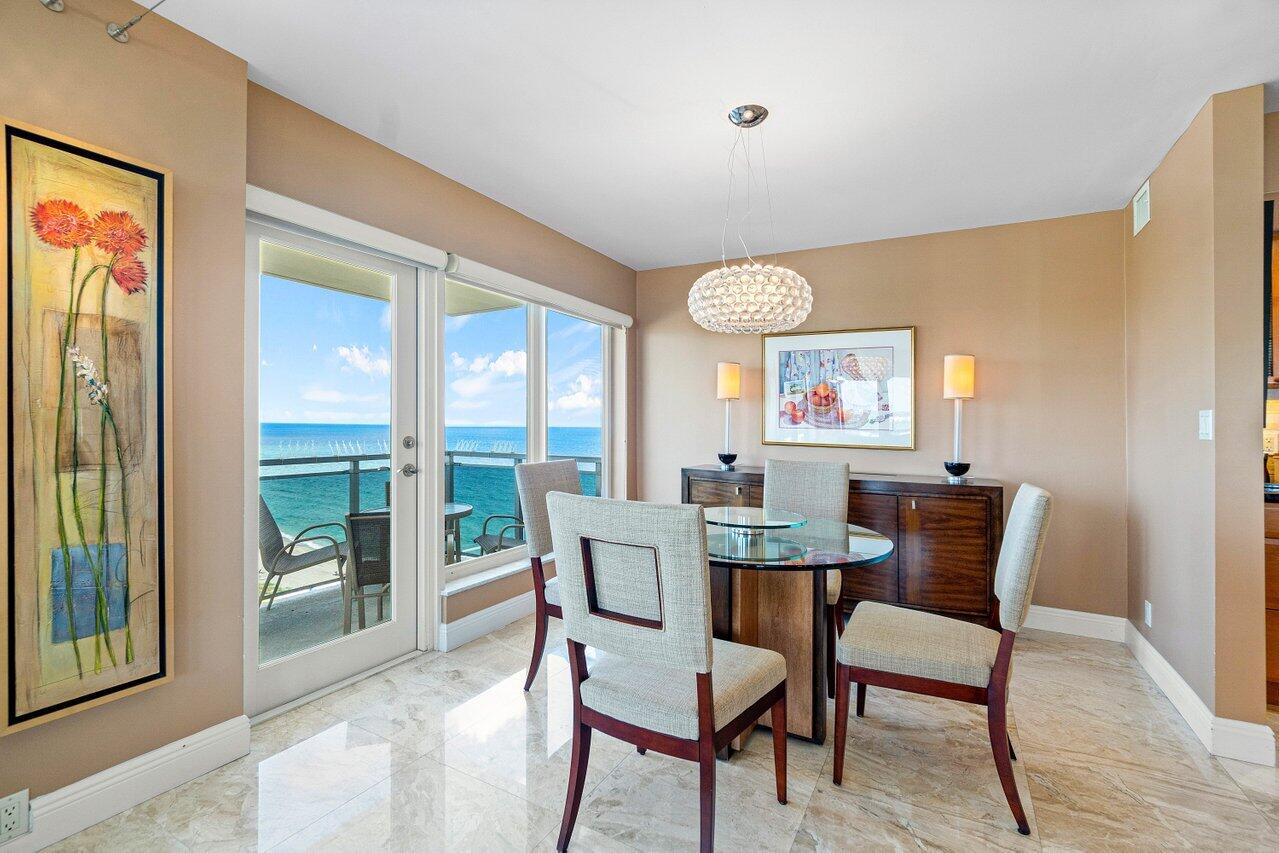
[(946, 536)]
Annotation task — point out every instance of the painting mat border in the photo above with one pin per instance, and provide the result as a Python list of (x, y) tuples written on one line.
[(763, 399), (164, 260)]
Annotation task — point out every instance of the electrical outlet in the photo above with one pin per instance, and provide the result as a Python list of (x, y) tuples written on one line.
[(1146, 615), (1205, 424), (15, 816)]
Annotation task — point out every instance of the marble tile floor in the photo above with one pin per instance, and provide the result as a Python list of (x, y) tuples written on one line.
[(447, 752)]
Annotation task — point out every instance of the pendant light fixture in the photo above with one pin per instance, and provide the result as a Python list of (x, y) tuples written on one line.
[(750, 298)]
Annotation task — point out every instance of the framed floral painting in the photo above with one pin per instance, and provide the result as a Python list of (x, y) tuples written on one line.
[(88, 590), (851, 388)]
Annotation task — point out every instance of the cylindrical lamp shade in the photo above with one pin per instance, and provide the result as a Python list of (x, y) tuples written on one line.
[(728, 381), (959, 376)]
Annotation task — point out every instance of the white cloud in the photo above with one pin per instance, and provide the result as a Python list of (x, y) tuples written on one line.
[(467, 404), (360, 359), (483, 372), (330, 395), (452, 324), (581, 395), (264, 363), (385, 320), (511, 363)]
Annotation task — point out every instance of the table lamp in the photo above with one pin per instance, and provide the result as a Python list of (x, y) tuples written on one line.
[(957, 384), (728, 387)]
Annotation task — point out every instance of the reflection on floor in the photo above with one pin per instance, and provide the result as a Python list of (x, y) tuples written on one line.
[(303, 620), (446, 751)]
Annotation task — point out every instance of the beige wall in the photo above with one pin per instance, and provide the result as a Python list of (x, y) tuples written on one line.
[(1238, 297), (302, 155), (1194, 296), (173, 99), (1041, 306), (1272, 153)]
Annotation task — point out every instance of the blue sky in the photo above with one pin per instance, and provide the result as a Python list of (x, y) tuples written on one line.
[(325, 357)]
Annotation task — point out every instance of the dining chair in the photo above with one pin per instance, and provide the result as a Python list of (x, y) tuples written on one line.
[(280, 559), (635, 586), (534, 480), (369, 535), (814, 490), (920, 652)]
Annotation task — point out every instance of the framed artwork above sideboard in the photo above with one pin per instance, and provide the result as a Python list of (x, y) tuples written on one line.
[(850, 388)]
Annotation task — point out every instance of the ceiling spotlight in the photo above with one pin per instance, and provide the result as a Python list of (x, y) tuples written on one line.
[(121, 33), (53, 5)]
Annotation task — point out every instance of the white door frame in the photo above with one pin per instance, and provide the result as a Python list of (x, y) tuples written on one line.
[(310, 221)]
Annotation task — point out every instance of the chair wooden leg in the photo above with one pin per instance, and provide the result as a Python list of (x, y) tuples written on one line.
[(861, 699), (779, 747), (539, 641), (706, 789), (576, 783), (997, 719), (839, 617), (641, 750), (842, 678), (832, 613), (1012, 753)]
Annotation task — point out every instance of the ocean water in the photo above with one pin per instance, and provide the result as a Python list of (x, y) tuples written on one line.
[(302, 494)]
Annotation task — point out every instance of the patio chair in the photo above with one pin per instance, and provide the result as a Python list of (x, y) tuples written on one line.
[(369, 537), (508, 536), (280, 559)]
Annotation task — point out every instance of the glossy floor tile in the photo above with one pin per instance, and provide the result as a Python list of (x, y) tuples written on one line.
[(448, 752)]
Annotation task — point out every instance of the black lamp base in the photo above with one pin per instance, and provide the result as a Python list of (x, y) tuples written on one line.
[(957, 470), (726, 461)]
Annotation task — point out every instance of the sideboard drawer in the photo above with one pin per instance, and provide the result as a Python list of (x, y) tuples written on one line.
[(722, 493)]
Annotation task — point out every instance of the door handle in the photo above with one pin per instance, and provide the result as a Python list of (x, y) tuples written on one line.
[(408, 469)]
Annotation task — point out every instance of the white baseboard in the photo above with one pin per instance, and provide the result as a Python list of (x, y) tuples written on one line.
[(1077, 622), (1251, 742), (486, 621), (66, 811)]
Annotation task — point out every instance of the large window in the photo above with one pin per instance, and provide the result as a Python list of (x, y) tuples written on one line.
[(575, 396), (522, 383)]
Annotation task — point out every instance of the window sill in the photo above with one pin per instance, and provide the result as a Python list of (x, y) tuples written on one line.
[(485, 576)]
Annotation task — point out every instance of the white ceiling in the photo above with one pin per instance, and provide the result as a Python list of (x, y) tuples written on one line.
[(604, 119)]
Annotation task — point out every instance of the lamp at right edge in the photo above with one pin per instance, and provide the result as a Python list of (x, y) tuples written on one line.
[(959, 375)]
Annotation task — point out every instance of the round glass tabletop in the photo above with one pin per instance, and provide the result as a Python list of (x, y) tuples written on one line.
[(753, 518), (819, 544)]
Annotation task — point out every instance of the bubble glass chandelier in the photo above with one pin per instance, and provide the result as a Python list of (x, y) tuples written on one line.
[(750, 298)]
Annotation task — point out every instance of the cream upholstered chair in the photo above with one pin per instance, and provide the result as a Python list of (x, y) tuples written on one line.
[(814, 490), (924, 653), (534, 480), (635, 584)]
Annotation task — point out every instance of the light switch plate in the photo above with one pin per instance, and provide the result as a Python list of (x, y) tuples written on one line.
[(1146, 616), (1205, 424)]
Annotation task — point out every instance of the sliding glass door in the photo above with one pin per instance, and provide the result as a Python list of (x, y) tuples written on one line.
[(332, 589)]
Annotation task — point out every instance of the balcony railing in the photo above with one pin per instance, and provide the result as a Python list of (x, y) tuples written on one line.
[(488, 497)]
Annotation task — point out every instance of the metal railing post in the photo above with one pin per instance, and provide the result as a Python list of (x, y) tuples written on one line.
[(353, 485)]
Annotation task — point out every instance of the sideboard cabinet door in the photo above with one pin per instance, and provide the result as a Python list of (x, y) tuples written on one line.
[(879, 582), (944, 553)]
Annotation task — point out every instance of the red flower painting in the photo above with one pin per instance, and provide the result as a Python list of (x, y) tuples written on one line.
[(117, 232), (130, 274), (61, 223)]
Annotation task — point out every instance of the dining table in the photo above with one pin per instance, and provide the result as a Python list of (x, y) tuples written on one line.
[(768, 589)]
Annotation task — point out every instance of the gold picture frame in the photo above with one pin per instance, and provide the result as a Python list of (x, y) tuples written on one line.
[(852, 384), (86, 589)]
